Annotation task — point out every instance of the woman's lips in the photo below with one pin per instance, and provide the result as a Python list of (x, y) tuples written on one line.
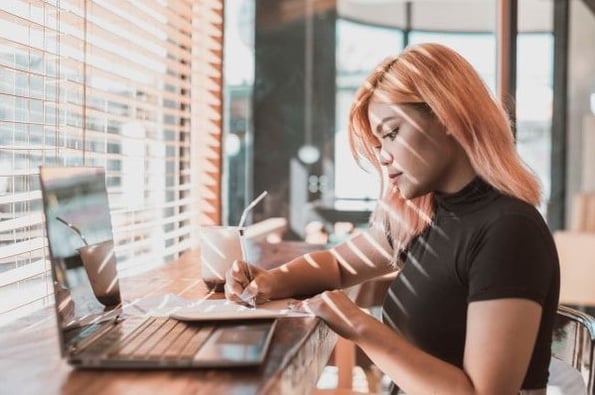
[(394, 177)]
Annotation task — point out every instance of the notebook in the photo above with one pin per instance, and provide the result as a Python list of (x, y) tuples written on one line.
[(95, 330)]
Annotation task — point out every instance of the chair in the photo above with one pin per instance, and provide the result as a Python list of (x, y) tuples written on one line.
[(573, 343)]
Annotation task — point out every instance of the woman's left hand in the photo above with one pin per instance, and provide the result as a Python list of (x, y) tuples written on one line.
[(337, 310)]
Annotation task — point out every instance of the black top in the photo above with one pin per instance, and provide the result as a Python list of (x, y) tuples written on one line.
[(481, 245)]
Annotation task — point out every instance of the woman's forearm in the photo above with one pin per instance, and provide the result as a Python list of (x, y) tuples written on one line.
[(306, 275), (365, 256), (416, 371)]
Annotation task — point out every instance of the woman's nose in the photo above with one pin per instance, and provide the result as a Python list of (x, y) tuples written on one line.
[(385, 157)]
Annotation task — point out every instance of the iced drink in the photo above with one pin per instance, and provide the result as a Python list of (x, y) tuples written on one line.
[(100, 264), (219, 247)]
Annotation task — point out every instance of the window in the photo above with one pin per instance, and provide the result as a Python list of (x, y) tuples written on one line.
[(534, 97), (239, 86), (98, 83)]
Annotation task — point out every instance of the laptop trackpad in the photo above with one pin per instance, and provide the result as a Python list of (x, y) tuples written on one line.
[(237, 343)]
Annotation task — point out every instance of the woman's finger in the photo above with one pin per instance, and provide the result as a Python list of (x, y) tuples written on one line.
[(249, 294), (239, 272), (247, 284), (309, 306), (235, 282), (230, 294)]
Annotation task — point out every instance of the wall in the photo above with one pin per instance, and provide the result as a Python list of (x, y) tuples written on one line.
[(588, 167), (581, 84)]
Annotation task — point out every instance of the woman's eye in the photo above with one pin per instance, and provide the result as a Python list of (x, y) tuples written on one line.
[(392, 134)]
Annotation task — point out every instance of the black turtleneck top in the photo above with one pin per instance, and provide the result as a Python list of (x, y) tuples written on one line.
[(481, 245)]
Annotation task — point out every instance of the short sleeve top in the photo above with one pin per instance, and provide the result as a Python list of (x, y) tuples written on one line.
[(481, 245)]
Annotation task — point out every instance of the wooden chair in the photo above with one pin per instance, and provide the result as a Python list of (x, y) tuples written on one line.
[(573, 343)]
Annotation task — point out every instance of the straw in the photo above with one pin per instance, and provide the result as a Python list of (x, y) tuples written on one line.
[(74, 229), (252, 300), (250, 207)]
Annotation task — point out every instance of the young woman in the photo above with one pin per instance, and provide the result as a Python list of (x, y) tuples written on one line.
[(472, 307)]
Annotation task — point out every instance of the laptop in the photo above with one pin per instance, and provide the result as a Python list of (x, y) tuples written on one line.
[(95, 330)]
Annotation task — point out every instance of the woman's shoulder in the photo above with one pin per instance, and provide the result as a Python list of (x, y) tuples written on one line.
[(506, 206), (508, 212), (511, 229)]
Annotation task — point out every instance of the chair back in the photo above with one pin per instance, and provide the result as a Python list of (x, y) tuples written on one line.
[(573, 341)]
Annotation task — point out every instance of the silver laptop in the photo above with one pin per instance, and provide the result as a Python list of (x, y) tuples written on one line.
[(95, 330)]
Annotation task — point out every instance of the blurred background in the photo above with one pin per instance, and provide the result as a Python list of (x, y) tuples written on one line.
[(195, 107)]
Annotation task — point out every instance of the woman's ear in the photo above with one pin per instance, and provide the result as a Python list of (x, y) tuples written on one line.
[(446, 130)]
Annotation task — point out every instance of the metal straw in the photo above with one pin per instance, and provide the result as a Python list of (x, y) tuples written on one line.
[(74, 229), (250, 207)]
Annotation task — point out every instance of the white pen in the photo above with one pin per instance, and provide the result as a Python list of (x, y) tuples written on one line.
[(252, 300)]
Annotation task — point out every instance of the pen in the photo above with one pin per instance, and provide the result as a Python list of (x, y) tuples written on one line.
[(252, 300)]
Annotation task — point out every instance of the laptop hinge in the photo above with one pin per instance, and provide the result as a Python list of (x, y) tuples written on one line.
[(104, 328)]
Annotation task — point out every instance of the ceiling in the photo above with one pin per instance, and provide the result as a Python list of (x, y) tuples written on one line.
[(446, 15)]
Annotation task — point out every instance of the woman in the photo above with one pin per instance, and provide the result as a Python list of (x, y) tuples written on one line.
[(471, 310)]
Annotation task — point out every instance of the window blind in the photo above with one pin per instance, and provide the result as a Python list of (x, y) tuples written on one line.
[(98, 83), (207, 104)]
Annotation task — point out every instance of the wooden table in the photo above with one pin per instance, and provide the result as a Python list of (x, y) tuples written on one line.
[(30, 360)]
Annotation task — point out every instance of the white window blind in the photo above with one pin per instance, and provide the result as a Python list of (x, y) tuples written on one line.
[(96, 83)]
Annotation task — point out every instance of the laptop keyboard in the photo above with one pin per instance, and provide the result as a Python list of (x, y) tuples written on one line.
[(150, 338)]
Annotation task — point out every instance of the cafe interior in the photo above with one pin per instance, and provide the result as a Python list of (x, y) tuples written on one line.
[(194, 108)]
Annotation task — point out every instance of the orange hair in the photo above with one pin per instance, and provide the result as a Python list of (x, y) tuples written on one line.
[(442, 79)]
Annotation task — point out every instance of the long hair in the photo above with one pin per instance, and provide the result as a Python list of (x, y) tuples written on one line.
[(442, 79)]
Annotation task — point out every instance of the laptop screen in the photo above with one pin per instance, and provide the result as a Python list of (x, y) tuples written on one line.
[(79, 233)]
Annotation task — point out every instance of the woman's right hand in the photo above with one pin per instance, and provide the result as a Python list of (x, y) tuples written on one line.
[(248, 284)]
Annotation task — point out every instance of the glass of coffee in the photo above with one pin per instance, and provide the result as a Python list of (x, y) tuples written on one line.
[(220, 246)]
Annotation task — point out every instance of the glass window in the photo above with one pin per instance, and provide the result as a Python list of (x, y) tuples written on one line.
[(534, 105), (98, 85), (238, 88)]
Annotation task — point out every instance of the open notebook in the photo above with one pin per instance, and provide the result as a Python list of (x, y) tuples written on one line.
[(221, 309)]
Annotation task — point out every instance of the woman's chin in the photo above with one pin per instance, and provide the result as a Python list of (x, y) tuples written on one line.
[(405, 195), (407, 192), (400, 191)]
